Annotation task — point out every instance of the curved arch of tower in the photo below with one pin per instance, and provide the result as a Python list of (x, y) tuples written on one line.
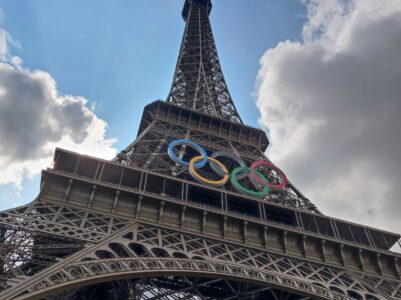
[(141, 227)]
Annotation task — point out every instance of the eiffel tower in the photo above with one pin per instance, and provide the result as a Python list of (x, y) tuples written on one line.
[(159, 222)]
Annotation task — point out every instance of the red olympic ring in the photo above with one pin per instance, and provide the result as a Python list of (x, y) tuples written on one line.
[(261, 180)]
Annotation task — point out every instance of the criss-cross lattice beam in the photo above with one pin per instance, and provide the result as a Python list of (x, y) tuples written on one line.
[(97, 264), (139, 250), (198, 82), (35, 236)]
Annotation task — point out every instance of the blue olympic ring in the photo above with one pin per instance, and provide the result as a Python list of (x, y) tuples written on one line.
[(192, 145)]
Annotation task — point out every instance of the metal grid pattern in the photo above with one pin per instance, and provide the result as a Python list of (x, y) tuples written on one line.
[(198, 82), (150, 152), (175, 287), (35, 236), (156, 256)]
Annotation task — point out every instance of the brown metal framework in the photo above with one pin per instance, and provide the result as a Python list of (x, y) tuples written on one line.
[(139, 227)]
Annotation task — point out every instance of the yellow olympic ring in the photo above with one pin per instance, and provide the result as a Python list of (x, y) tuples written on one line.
[(201, 179)]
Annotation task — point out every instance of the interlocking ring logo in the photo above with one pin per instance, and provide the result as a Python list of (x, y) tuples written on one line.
[(238, 173)]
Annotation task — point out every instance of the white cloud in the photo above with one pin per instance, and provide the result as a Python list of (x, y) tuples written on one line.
[(5, 40), (332, 103), (35, 118)]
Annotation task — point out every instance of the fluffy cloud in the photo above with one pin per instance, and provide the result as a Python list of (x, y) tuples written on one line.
[(332, 104), (35, 118)]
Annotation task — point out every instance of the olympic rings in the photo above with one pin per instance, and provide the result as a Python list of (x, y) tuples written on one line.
[(255, 176), (199, 178)]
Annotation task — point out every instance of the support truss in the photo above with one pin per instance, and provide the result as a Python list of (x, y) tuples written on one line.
[(162, 260), (198, 82)]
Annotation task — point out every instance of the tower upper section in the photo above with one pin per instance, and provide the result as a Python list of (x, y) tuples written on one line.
[(188, 3), (198, 82)]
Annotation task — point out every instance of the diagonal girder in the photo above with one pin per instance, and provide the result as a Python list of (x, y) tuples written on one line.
[(138, 253)]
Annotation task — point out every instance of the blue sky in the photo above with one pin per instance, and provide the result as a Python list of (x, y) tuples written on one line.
[(122, 54)]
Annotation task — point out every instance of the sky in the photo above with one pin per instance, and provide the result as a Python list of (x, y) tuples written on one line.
[(321, 77)]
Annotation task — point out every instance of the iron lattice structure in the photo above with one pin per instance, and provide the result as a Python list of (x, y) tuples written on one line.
[(198, 82), (139, 227)]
